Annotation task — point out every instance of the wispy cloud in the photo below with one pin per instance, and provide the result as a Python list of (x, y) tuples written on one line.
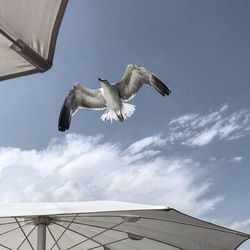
[(212, 158), (243, 225), (199, 130), (87, 168), (236, 159)]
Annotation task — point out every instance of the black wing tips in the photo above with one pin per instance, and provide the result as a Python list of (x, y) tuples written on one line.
[(160, 86), (64, 117)]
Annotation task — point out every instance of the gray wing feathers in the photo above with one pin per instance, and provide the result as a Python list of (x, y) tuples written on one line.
[(79, 97), (133, 80), (89, 98)]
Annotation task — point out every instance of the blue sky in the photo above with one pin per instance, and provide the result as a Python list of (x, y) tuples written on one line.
[(189, 150)]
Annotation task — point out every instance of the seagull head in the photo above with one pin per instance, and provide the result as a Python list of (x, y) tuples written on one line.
[(102, 81)]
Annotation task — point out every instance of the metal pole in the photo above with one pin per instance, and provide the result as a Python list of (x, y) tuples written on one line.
[(27, 52), (41, 236), (6, 35)]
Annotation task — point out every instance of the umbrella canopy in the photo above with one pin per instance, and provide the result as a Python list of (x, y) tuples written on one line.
[(28, 33), (105, 225)]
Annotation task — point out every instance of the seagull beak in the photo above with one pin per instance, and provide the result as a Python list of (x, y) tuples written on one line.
[(99, 79)]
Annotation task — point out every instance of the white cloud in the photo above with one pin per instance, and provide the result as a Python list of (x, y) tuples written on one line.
[(203, 138), (212, 158), (199, 130), (236, 159), (87, 168), (138, 146), (243, 226), (183, 119)]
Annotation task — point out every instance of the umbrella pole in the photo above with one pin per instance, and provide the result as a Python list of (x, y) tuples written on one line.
[(41, 223), (41, 236)]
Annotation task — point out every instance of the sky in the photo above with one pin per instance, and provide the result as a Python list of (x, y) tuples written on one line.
[(189, 151)]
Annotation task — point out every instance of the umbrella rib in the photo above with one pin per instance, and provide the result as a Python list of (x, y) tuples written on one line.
[(92, 237), (24, 233), (176, 222), (66, 228), (6, 247), (13, 229), (6, 35), (195, 225), (80, 223), (21, 243), (53, 237), (121, 231), (78, 234), (110, 243), (9, 223)]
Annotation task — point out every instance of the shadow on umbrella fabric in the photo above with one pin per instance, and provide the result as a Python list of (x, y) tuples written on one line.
[(28, 34), (107, 225)]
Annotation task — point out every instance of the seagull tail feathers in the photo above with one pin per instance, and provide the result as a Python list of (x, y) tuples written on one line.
[(109, 115), (126, 111)]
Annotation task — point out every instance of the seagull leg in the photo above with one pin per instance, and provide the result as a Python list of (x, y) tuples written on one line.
[(120, 116)]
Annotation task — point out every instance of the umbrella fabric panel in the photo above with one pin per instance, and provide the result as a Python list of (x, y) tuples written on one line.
[(12, 232), (138, 245), (36, 23), (119, 230), (183, 236), (168, 227), (64, 209), (31, 21), (12, 63)]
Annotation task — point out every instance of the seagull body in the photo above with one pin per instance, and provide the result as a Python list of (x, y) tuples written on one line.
[(112, 97)]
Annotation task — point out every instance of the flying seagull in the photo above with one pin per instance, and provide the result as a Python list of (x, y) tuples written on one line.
[(112, 97)]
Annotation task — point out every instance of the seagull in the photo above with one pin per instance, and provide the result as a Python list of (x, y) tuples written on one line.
[(112, 97)]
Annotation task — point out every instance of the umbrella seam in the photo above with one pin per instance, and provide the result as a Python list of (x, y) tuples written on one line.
[(24, 233), (21, 243), (64, 231), (78, 234), (92, 237), (121, 231), (52, 236)]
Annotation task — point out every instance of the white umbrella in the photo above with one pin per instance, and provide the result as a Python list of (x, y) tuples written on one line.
[(28, 33), (105, 225)]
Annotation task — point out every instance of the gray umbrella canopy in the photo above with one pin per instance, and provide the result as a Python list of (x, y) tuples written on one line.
[(105, 225), (28, 33)]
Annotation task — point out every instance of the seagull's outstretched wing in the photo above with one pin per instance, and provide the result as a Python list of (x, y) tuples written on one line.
[(133, 79), (79, 97)]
